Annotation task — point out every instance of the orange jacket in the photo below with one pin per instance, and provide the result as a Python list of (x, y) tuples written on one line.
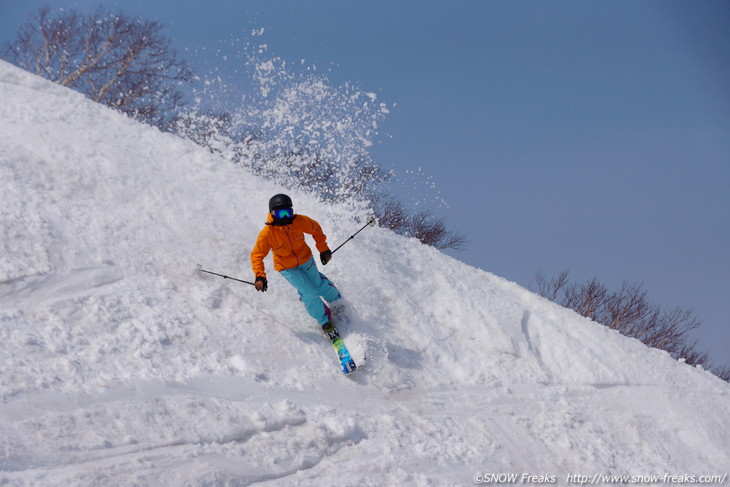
[(287, 242)]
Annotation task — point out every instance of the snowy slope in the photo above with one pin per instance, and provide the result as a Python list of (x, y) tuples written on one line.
[(122, 365)]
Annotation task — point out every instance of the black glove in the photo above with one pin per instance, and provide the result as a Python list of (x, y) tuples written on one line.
[(261, 284), (325, 256)]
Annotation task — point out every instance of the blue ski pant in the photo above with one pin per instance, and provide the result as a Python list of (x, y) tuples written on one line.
[(313, 286)]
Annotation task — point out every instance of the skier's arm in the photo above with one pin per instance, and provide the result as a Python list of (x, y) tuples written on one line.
[(260, 250), (312, 227)]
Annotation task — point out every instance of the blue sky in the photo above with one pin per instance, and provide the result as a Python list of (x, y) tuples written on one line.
[(582, 135)]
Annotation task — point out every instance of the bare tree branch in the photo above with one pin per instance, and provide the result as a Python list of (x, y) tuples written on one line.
[(628, 311), (120, 61)]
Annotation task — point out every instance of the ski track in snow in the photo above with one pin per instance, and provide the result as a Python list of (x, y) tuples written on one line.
[(123, 365), (33, 290)]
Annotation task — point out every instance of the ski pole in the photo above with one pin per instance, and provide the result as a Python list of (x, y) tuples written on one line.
[(370, 222), (200, 268)]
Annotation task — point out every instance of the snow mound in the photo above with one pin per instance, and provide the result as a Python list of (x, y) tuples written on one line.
[(123, 365)]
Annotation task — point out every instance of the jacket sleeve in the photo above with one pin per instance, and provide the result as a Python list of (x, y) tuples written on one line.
[(313, 228), (260, 250)]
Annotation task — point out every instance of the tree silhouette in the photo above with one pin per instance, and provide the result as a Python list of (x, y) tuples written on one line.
[(120, 61)]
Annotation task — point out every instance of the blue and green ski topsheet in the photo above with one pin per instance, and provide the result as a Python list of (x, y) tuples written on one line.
[(346, 362)]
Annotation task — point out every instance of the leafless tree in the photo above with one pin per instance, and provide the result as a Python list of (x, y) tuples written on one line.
[(629, 311), (117, 60), (420, 224)]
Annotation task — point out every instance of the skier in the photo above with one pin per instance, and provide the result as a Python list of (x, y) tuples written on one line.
[(284, 234)]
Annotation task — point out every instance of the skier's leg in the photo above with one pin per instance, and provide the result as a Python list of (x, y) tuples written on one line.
[(308, 293), (324, 286)]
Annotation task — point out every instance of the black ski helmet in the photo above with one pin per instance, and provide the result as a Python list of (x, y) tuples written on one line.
[(280, 201)]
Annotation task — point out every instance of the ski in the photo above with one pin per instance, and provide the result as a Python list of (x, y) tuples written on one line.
[(346, 362)]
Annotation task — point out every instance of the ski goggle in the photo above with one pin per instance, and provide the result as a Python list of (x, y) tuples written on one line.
[(281, 213)]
